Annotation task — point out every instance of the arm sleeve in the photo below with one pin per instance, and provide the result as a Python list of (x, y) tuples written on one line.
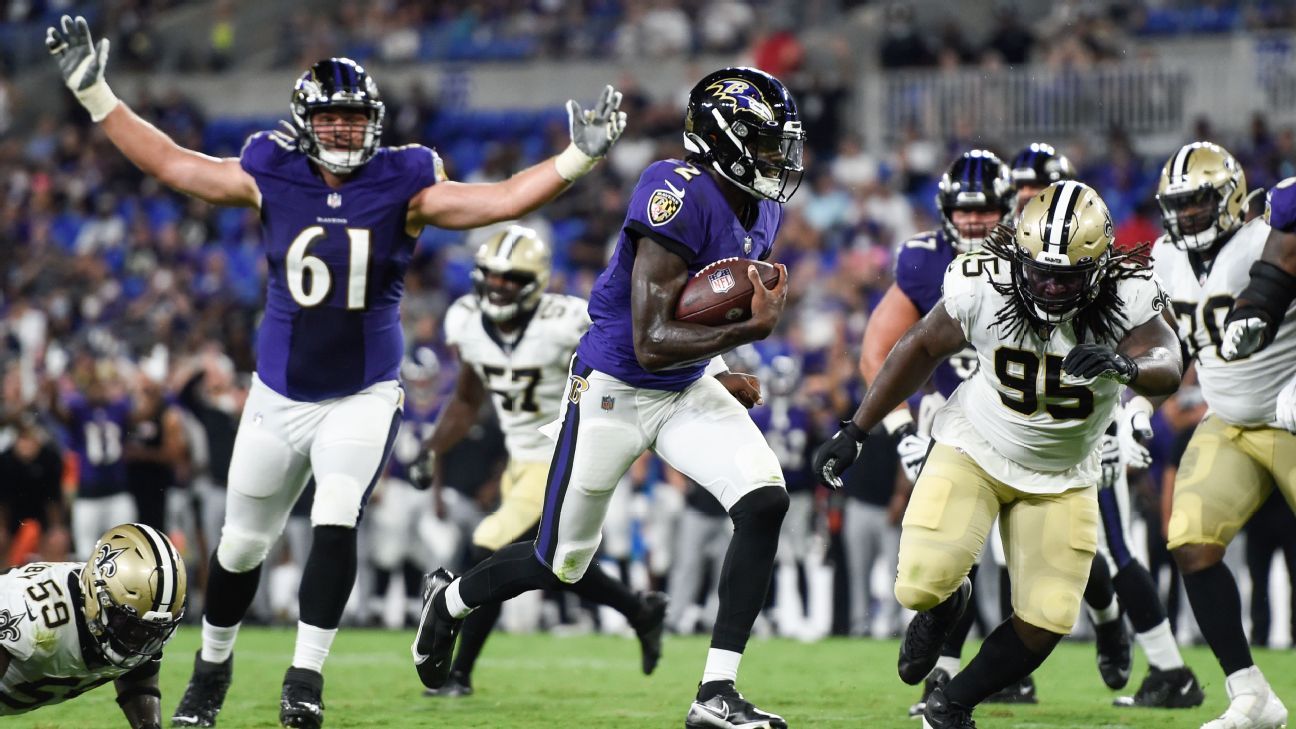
[(962, 296), (1143, 298), (659, 211), (17, 638), (918, 274)]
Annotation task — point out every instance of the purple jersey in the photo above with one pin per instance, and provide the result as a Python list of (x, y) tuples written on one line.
[(787, 430), (95, 433), (919, 273), (337, 261), (1280, 206), (683, 209)]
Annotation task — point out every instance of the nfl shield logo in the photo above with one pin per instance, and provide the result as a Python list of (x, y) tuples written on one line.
[(609, 402), (334, 200), (721, 281)]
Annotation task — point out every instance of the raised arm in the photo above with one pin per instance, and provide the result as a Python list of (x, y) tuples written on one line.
[(660, 341), (457, 205), (82, 63)]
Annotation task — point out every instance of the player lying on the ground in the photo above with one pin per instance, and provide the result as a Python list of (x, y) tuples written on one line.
[(68, 627), (1061, 324), (514, 342)]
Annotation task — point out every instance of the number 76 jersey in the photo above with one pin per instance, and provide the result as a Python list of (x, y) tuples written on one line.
[(1241, 392), (1020, 417), (526, 373)]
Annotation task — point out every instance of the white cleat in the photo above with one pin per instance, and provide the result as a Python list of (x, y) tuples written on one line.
[(1252, 704)]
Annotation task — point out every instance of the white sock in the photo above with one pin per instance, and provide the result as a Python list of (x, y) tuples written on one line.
[(454, 603), (1105, 615), (312, 646), (1160, 647), (950, 664), (218, 642), (721, 665)]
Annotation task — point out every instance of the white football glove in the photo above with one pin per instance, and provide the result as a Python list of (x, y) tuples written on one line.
[(913, 453), (1285, 407), (82, 64), (1243, 337), (592, 134), (1133, 431), (1111, 461)]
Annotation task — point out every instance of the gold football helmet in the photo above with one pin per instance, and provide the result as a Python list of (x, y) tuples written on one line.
[(133, 592), (522, 262), (1202, 195), (1063, 247)]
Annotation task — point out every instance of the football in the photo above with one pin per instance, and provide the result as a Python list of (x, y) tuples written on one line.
[(721, 293)]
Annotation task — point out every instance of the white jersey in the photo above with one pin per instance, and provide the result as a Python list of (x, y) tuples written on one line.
[(1241, 392), (1019, 416), (42, 628), (526, 373)]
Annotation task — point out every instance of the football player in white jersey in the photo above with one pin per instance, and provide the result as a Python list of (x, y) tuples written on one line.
[(69, 627), (1061, 323), (515, 343), (1240, 451)]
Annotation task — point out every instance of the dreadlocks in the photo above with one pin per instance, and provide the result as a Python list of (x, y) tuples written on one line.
[(1102, 318)]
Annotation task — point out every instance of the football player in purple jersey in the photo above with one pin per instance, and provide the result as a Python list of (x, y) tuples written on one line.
[(341, 215), (640, 381)]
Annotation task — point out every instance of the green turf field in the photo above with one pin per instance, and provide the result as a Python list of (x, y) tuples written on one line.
[(545, 681)]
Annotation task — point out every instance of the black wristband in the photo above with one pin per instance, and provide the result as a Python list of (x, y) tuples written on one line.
[(1267, 296), (854, 431)]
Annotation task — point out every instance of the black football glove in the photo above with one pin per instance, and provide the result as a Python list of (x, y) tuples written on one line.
[(834, 456), (1098, 360), (423, 469)]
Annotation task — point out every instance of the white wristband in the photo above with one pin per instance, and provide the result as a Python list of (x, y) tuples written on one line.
[(897, 419), (573, 164), (715, 367), (1139, 404), (99, 100)]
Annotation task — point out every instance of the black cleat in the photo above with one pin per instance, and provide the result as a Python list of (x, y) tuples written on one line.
[(1020, 692), (925, 635), (459, 684), (936, 679), (1114, 658), (435, 640), (205, 694), (648, 627), (941, 713), (301, 705), (1176, 688), (729, 710)]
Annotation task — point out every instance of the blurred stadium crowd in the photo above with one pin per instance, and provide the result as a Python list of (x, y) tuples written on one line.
[(121, 295)]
